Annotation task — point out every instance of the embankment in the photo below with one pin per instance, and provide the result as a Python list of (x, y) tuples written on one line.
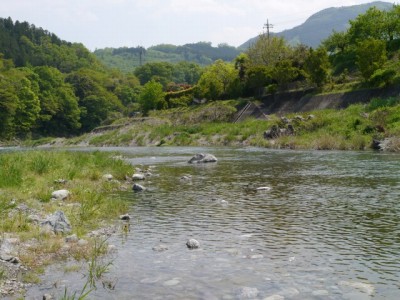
[(304, 101)]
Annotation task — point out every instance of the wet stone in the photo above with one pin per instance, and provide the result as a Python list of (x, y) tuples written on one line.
[(192, 244), (172, 282), (160, 248)]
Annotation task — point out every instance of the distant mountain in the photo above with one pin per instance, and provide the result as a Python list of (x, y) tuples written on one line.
[(202, 53), (320, 25)]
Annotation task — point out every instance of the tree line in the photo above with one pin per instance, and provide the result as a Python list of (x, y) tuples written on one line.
[(49, 87)]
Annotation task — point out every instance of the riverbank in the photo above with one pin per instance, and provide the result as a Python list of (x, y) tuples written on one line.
[(374, 125), (57, 206)]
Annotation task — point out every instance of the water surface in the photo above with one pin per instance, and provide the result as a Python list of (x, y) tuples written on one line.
[(329, 228)]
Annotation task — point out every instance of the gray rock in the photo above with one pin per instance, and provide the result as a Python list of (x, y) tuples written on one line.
[(248, 293), (33, 219), (47, 297), (72, 238), (60, 181), (366, 288), (108, 177), (202, 158), (58, 222), (138, 176), (10, 258), (82, 242), (160, 248), (275, 297), (60, 195), (172, 282), (186, 177), (125, 217), (192, 244), (138, 188)]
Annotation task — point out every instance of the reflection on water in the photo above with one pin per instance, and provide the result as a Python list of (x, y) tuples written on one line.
[(328, 229)]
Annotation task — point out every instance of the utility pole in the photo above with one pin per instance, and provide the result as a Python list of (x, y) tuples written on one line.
[(268, 27)]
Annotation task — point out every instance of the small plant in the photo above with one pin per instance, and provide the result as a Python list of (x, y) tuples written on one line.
[(83, 294), (97, 267)]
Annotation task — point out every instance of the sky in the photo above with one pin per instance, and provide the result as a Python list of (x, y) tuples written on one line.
[(129, 23)]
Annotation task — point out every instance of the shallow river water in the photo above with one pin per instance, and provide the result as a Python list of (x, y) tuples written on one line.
[(329, 228)]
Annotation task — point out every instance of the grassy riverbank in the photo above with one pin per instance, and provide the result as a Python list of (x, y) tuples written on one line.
[(353, 128), (27, 180)]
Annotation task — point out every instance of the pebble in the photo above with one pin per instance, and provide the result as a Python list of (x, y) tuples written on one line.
[(108, 177), (160, 248), (275, 297), (72, 238), (320, 293), (172, 282), (82, 242), (248, 293)]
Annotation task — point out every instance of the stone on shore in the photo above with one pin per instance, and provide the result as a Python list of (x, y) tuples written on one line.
[(60, 195), (108, 177), (58, 223), (138, 176)]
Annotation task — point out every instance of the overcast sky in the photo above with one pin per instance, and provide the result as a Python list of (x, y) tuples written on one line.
[(119, 23)]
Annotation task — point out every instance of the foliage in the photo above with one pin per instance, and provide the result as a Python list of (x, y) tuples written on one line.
[(317, 66), (371, 56), (152, 97), (217, 81)]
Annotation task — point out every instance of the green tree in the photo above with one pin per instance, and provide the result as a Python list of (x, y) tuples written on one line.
[(284, 72), (337, 42), (22, 82), (60, 113), (152, 97), (217, 81), (268, 51), (371, 24), (371, 56), (317, 66)]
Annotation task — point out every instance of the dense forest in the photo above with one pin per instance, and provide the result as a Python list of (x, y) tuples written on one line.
[(49, 87)]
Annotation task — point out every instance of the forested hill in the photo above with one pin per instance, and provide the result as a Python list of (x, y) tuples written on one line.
[(26, 44), (202, 53), (321, 24), (50, 87)]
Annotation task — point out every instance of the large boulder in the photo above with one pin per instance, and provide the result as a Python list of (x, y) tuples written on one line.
[(202, 158), (57, 222)]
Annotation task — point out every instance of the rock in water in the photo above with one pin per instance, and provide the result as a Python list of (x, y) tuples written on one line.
[(138, 188), (202, 158), (192, 244)]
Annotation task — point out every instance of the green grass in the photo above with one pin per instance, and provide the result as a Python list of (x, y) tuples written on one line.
[(28, 177)]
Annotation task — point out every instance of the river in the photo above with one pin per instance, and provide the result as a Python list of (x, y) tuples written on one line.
[(329, 228)]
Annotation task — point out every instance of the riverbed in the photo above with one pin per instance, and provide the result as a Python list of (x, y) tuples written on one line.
[(271, 225)]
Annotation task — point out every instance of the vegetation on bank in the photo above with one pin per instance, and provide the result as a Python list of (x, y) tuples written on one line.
[(27, 179), (353, 128)]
